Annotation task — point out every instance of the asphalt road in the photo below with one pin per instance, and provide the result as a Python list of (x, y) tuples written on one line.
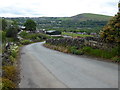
[(45, 68)]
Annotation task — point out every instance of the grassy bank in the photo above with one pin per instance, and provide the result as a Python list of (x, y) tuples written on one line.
[(99, 53), (10, 68)]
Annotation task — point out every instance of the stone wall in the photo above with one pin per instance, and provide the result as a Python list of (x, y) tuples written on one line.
[(6, 54), (80, 42)]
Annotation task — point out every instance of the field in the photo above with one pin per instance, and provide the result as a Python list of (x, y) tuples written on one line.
[(75, 35)]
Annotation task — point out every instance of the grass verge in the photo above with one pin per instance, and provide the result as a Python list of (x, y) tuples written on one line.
[(108, 55)]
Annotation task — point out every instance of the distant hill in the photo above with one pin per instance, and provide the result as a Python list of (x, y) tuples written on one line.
[(82, 22), (79, 17), (90, 16)]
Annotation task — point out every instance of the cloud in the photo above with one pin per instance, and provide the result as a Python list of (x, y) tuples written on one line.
[(58, 8)]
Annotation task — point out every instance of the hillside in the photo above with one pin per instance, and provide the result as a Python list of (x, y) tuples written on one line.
[(82, 22), (90, 16), (79, 17)]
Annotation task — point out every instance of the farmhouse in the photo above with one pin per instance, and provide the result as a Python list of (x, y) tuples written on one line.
[(53, 32)]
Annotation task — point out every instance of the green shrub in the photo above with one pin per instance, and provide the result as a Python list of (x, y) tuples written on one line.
[(14, 51), (116, 50), (106, 54), (25, 42), (14, 54), (73, 49), (34, 36), (12, 59), (116, 59), (98, 52), (38, 39), (86, 49), (23, 34), (78, 52)]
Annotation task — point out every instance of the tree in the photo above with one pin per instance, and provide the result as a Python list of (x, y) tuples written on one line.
[(12, 30), (111, 32), (30, 25), (4, 24), (3, 36)]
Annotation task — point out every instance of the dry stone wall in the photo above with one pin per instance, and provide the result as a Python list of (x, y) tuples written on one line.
[(93, 42)]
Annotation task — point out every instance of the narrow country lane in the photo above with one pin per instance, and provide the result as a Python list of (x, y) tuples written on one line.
[(45, 68)]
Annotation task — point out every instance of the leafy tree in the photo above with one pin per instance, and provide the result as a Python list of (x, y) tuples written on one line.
[(4, 24), (12, 30), (3, 36), (111, 32), (30, 25)]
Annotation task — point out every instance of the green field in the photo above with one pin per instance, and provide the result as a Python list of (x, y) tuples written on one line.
[(75, 35)]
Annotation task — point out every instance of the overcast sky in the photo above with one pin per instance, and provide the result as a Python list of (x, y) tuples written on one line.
[(56, 8)]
